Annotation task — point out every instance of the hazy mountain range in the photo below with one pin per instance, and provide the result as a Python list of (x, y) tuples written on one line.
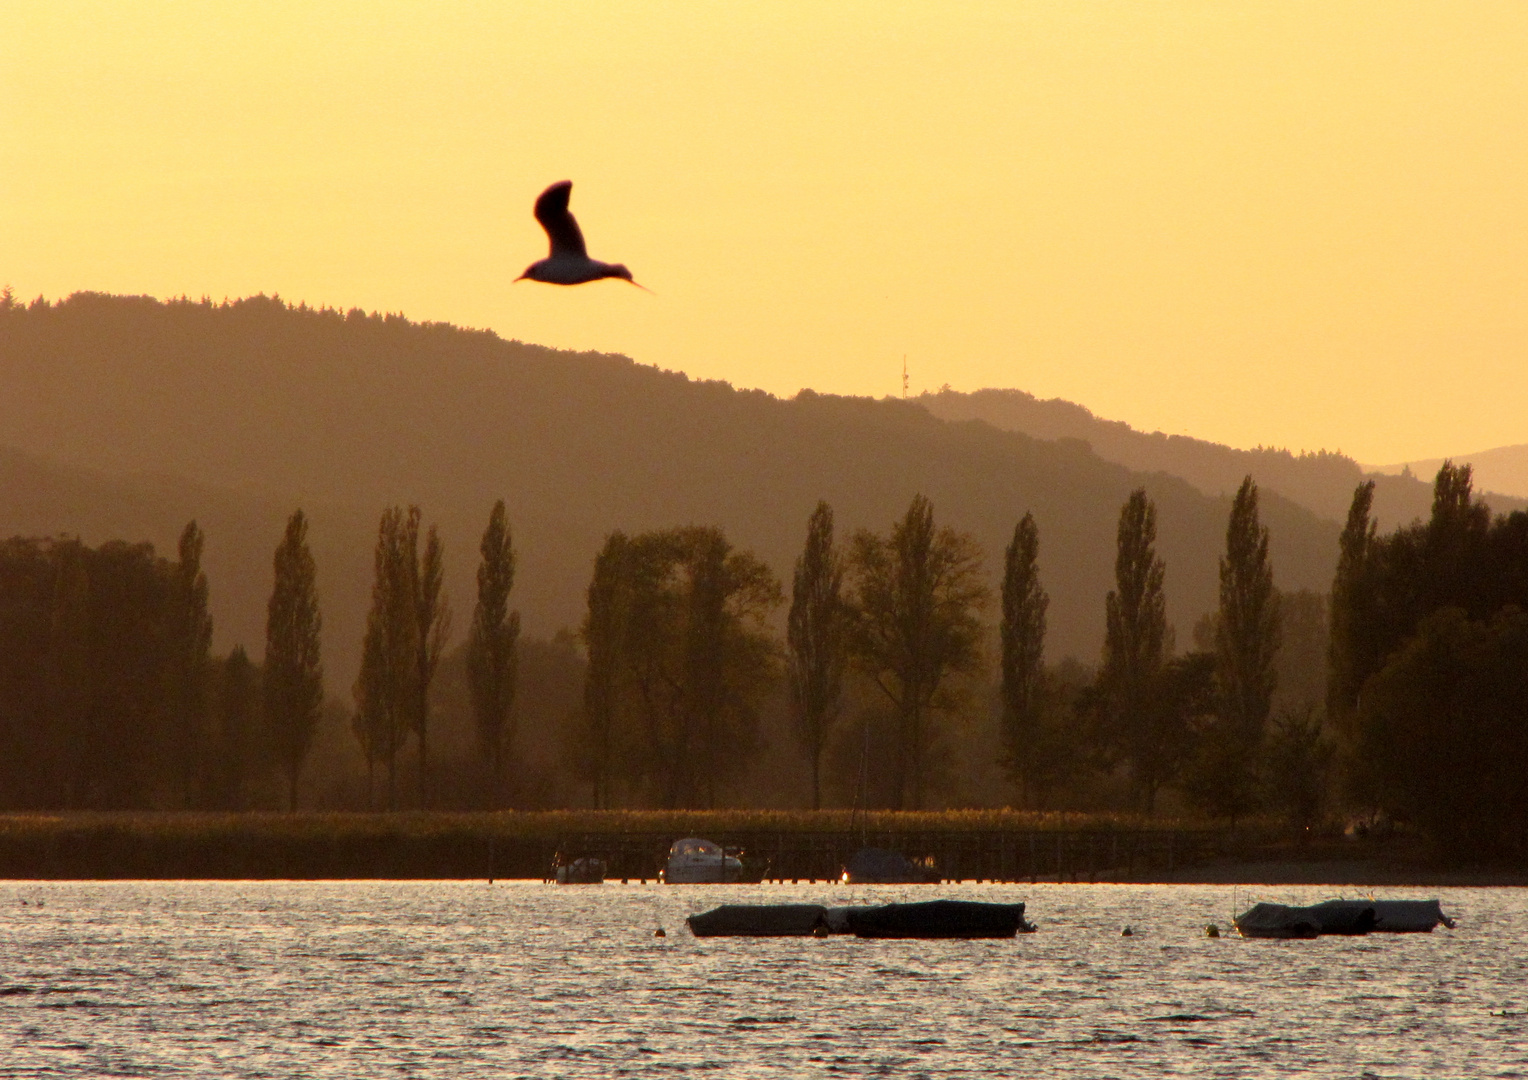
[(1503, 469), (124, 417), (1323, 482)]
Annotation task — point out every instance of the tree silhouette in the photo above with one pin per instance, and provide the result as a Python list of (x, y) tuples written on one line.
[(679, 658), (1247, 636), (917, 593), (1022, 636), (816, 642), (432, 628), (604, 635), (294, 672), (1351, 655), (237, 737), (190, 628), (491, 647), (1135, 639)]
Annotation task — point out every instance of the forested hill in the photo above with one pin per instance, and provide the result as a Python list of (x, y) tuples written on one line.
[(1322, 482), (128, 416)]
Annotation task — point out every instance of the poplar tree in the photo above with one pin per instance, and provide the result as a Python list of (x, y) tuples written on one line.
[(406, 631), (188, 668), (1247, 636), (604, 634), (1135, 646), (1351, 652), (1022, 634), (815, 640), (492, 657), (916, 598), (384, 690), (294, 672), (432, 628)]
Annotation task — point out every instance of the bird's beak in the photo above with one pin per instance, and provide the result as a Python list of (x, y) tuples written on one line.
[(644, 288)]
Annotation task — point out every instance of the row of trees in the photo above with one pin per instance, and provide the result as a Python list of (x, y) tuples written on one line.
[(109, 695)]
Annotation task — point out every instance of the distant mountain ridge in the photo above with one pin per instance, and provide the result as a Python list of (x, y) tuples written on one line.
[(1503, 468), (1323, 482), (128, 416)]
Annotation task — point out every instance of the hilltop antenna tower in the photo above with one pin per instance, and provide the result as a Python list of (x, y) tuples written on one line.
[(904, 376)]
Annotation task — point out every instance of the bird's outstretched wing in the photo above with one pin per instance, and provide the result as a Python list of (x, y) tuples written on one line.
[(561, 229)]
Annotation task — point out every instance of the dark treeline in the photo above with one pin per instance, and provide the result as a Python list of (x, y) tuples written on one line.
[(900, 681)]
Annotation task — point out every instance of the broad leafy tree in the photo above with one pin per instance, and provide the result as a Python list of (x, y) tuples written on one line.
[(917, 597), (680, 657)]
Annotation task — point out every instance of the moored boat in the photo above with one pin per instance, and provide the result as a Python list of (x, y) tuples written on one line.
[(585, 870), (939, 919), (1341, 917), (694, 861)]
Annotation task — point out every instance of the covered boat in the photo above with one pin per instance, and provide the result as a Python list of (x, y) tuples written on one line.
[(939, 919), (878, 866), (1341, 917), (585, 870), (693, 861), (760, 920)]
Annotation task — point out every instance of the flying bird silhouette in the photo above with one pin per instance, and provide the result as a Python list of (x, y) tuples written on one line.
[(569, 262)]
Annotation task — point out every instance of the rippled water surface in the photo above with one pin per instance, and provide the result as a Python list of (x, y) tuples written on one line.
[(465, 979)]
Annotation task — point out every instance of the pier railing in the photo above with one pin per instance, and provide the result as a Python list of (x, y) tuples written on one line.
[(131, 845)]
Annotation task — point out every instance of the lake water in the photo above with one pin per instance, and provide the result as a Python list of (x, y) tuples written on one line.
[(467, 979)]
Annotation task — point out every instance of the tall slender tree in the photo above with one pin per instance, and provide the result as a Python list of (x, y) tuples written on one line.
[(1022, 635), (189, 668), (432, 628), (604, 634), (916, 598), (1247, 636), (294, 671), (492, 647), (1351, 653), (370, 722), (1135, 648), (387, 690), (816, 641)]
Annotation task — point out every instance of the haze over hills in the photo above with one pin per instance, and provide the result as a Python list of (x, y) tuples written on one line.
[(1504, 468), (128, 416), (1323, 482)]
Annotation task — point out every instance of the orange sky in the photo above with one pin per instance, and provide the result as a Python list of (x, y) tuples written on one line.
[(1300, 224)]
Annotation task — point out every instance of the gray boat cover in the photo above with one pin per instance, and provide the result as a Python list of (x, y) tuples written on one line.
[(1342, 917), (939, 919), (760, 920)]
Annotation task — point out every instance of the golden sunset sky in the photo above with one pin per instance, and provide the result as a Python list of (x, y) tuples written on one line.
[(1296, 224)]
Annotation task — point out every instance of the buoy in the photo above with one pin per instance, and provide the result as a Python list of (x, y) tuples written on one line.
[(1212, 930), (1127, 932), (660, 932)]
